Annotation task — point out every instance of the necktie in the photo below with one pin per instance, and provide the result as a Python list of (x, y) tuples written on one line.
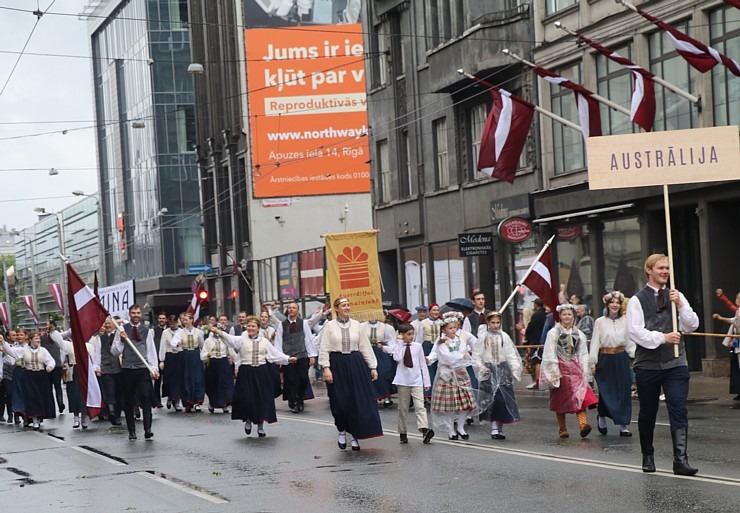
[(408, 361), (294, 327), (662, 301), (135, 334), (481, 318)]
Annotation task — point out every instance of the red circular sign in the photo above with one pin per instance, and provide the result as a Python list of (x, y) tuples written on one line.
[(515, 229), (569, 232)]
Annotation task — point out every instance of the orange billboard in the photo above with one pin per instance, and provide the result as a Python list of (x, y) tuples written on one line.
[(307, 110)]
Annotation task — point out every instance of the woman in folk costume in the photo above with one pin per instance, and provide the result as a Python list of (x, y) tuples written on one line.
[(497, 364), (382, 338), (427, 335), (170, 365), (452, 394), (37, 363), (565, 368), (731, 341), (74, 396), (266, 330), (611, 350), (219, 359), (193, 379), (349, 367), (17, 404), (254, 393)]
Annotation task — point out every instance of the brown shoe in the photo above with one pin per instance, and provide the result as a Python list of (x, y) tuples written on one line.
[(564, 433), (585, 430)]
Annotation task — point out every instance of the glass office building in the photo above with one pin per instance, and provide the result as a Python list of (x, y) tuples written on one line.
[(148, 178)]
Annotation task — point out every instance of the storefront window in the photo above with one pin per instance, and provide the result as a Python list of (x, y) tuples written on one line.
[(415, 275), (449, 272), (622, 256), (574, 260)]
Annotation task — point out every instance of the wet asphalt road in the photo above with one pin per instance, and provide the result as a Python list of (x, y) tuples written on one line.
[(203, 462)]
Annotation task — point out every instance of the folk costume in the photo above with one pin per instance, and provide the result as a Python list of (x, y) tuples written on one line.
[(293, 337), (74, 395), (110, 377), (193, 377), (56, 374), (38, 400), (382, 338), (565, 368), (497, 364), (218, 359), (171, 369), (732, 342), (412, 376), (610, 353), (427, 335)]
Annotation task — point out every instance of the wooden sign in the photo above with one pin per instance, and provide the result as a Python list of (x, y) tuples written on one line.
[(664, 158)]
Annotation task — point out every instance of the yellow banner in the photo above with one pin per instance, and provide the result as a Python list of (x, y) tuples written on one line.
[(353, 272)]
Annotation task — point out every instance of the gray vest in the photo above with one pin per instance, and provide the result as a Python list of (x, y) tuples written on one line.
[(238, 330), (474, 320), (661, 357), (130, 360), (294, 344), (109, 364), (56, 353)]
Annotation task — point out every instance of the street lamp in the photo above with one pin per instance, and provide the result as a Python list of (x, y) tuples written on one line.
[(59, 216)]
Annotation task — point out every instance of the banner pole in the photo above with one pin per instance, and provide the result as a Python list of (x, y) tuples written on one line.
[(526, 275), (669, 239)]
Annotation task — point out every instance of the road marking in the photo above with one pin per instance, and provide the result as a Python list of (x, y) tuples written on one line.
[(545, 456), (48, 436), (98, 456), (183, 487)]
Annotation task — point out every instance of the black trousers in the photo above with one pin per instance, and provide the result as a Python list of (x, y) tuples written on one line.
[(6, 397), (675, 385), (295, 381), (137, 388), (56, 381), (112, 392)]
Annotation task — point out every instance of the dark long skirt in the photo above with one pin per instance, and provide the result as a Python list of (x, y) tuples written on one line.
[(574, 394), (496, 399), (351, 396), (734, 373), (172, 376), (193, 378), (38, 395), (74, 397), (19, 405), (219, 382), (614, 379), (427, 347), (382, 385), (254, 394)]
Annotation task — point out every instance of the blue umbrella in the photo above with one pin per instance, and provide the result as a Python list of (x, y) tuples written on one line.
[(461, 304)]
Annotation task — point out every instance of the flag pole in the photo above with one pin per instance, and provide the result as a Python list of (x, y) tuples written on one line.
[(669, 238), (234, 262), (539, 109), (526, 275), (655, 78), (594, 96)]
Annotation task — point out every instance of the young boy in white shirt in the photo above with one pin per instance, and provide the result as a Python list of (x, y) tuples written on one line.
[(412, 378)]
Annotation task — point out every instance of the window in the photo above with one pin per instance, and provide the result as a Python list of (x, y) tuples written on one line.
[(622, 255), (574, 260), (672, 112), (384, 171), (615, 83), (405, 183), (441, 165), (445, 20), (725, 38), (559, 5), (449, 272), (380, 62), (567, 143), (185, 123), (476, 121), (179, 14), (397, 62), (415, 275)]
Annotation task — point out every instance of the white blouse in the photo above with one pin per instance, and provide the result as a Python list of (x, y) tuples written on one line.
[(612, 333), (255, 352), (37, 359), (550, 368), (496, 348), (188, 338), (336, 337), (216, 347)]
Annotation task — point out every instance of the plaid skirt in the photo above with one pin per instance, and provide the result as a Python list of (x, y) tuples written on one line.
[(452, 391)]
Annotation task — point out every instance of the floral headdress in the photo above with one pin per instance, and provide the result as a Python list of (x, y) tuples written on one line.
[(613, 295), (449, 317), (566, 306)]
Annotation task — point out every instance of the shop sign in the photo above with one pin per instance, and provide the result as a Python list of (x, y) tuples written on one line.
[(514, 206), (569, 232), (515, 229), (475, 244)]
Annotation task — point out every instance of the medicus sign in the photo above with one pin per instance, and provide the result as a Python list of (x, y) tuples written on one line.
[(307, 108)]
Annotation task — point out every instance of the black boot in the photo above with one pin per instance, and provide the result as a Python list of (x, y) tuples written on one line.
[(147, 411), (646, 446), (681, 465)]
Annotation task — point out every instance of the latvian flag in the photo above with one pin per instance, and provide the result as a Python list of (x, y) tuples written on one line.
[(504, 135), (699, 55), (86, 316), (28, 300), (56, 293), (542, 282), (4, 314), (642, 110), (588, 108)]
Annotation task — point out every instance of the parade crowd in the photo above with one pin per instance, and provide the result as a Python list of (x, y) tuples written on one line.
[(453, 367)]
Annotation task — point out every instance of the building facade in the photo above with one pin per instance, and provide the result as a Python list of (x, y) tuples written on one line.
[(148, 180)]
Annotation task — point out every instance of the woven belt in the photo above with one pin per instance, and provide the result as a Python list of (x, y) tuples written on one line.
[(611, 350)]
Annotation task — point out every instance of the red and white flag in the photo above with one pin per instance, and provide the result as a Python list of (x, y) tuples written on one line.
[(56, 293), (588, 108), (642, 109), (542, 282), (4, 314), (699, 55), (735, 3), (86, 316), (28, 300), (195, 302), (504, 135)]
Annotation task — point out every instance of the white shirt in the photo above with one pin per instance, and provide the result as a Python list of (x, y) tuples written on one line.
[(416, 376), (688, 321), (307, 338), (610, 332), (151, 350)]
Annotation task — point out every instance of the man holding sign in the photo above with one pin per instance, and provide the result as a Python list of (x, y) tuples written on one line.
[(657, 364)]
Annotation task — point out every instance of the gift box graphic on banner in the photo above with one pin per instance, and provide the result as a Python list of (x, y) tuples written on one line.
[(353, 268)]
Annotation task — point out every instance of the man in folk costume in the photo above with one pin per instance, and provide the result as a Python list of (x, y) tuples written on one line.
[(477, 317), (241, 326), (56, 374), (158, 330), (649, 324), (422, 312), (293, 337), (110, 373), (136, 378)]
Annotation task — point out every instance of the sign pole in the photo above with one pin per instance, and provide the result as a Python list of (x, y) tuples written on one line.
[(669, 239)]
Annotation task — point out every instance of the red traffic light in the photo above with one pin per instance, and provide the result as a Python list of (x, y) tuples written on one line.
[(203, 295)]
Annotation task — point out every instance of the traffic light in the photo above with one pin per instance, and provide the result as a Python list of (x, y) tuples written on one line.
[(202, 295)]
